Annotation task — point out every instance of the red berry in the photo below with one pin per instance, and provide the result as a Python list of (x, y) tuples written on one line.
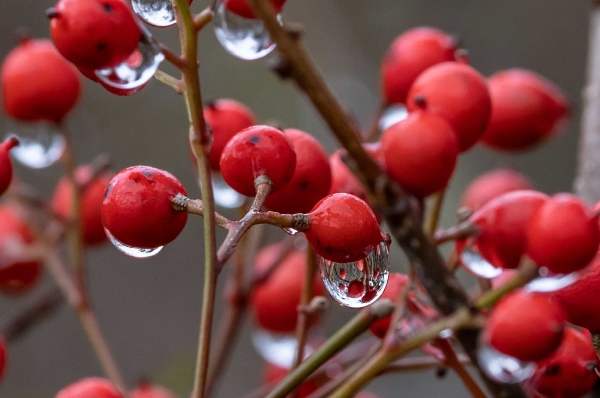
[(569, 372), (311, 180), (91, 387), (147, 390), (273, 374), (409, 55), (343, 228), (526, 326), (6, 169), (526, 110), (459, 94), (502, 223), (491, 185), (91, 202), (15, 276), (94, 34), (137, 208), (563, 234), (226, 117), (254, 152), (420, 153), (275, 301), (38, 84), (395, 284), (2, 357), (342, 179), (244, 10)]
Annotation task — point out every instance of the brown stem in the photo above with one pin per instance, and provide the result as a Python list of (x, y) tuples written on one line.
[(463, 230), (202, 19), (452, 360), (373, 131), (434, 212)]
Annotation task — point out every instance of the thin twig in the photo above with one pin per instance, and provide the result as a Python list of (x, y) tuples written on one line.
[(173, 82), (202, 19)]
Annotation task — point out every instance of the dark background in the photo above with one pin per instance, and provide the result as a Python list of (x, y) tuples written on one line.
[(149, 309)]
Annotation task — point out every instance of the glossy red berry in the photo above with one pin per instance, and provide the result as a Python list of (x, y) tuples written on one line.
[(244, 10), (563, 234), (275, 302), (311, 180), (502, 225), (395, 284), (91, 387), (526, 110), (526, 326), (2, 356), (458, 93), (91, 202), (258, 151), (38, 84), (6, 169), (411, 54), (569, 372), (343, 228), (137, 208), (491, 185), (148, 390), (94, 34), (420, 153), (16, 276), (226, 117)]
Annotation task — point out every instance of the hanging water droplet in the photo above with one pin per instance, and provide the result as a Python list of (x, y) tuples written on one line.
[(474, 262), (550, 282), (277, 348), (501, 367), (157, 13), (41, 144), (357, 284), (224, 195), (132, 251), (392, 115), (247, 39), (290, 231), (138, 69)]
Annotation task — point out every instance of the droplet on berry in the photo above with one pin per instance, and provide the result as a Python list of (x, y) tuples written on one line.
[(503, 368), (41, 144), (158, 13), (393, 114), (473, 261), (136, 70), (359, 283), (290, 231), (244, 38), (225, 196), (548, 281), (134, 252)]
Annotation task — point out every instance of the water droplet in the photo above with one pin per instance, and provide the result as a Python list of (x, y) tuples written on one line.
[(247, 39), (225, 196), (446, 333), (550, 282), (290, 231), (356, 284), (138, 69), (157, 13), (132, 251), (277, 348), (474, 262), (392, 115), (41, 144), (503, 368)]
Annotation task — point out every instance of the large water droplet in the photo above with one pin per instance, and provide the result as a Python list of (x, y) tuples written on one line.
[(549, 282), (247, 39), (132, 251), (503, 368), (277, 348), (474, 262), (225, 196), (157, 13), (138, 69), (41, 144), (357, 284), (392, 115)]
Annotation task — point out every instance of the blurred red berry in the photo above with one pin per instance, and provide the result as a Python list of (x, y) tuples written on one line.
[(244, 10), (526, 110), (6, 169), (2, 357), (38, 84), (491, 185), (395, 284), (91, 387)]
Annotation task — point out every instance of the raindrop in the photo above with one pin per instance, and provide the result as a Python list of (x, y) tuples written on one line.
[(290, 231), (474, 262), (357, 284), (550, 282), (134, 252), (503, 368), (446, 334), (138, 69), (247, 39), (392, 115), (157, 13), (41, 144), (224, 195), (277, 348)]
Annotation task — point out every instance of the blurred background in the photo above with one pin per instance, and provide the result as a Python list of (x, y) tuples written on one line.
[(149, 309)]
